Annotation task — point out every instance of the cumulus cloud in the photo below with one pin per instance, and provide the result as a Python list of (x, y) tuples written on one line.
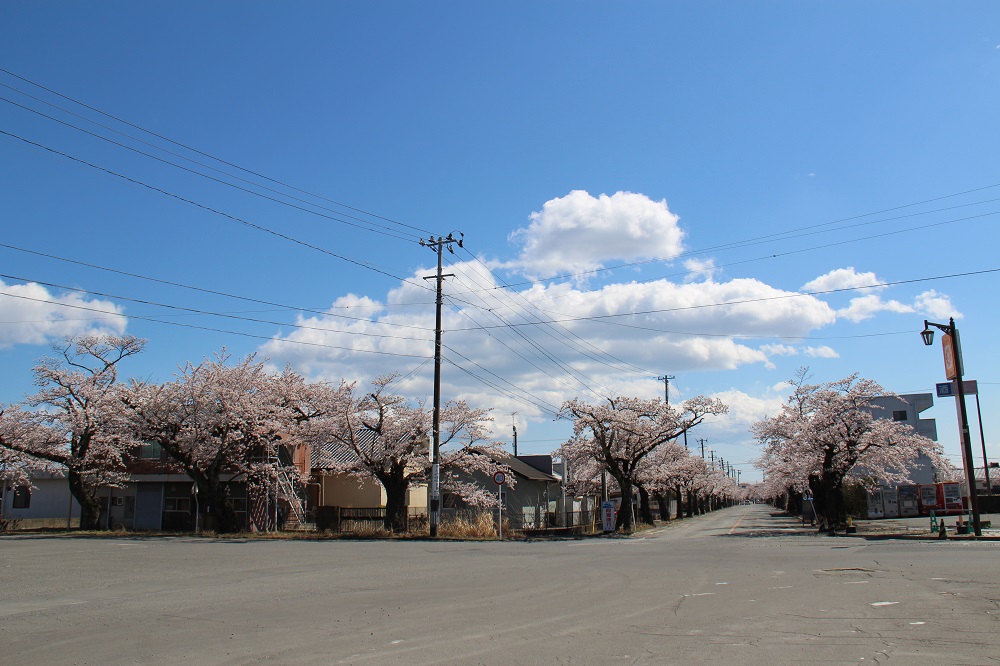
[(791, 350), (580, 232), (33, 315), (866, 307), (699, 269), (843, 278), (933, 304), (549, 342)]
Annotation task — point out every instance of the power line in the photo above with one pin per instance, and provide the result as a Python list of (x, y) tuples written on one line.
[(379, 229), (784, 235), (761, 299), (324, 313), (209, 312), (217, 330), (202, 153), (234, 218)]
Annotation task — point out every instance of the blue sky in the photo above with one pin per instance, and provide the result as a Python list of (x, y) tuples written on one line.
[(656, 159)]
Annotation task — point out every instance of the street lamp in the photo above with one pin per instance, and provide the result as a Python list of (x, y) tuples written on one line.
[(954, 370)]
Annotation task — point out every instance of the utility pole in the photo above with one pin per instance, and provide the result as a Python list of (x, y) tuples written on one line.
[(513, 424), (438, 246), (711, 455), (702, 442), (666, 387)]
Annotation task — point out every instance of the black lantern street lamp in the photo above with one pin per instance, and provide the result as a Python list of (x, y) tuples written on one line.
[(954, 370)]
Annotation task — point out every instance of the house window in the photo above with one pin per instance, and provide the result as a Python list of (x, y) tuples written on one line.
[(177, 504), (150, 451), (899, 415), (22, 497)]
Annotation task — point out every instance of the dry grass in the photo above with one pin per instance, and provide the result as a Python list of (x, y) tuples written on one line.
[(480, 526)]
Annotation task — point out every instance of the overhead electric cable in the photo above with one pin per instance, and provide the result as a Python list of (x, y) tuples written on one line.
[(385, 231), (204, 154), (566, 333), (324, 313), (213, 313), (762, 299), (584, 382), (234, 218), (215, 330)]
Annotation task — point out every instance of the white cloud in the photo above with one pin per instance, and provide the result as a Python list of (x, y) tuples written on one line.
[(929, 303), (933, 304), (820, 352), (745, 409), (791, 350), (32, 315), (703, 269), (586, 354), (580, 232), (843, 278), (866, 307)]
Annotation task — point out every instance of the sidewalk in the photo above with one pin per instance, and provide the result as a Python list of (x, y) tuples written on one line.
[(921, 527)]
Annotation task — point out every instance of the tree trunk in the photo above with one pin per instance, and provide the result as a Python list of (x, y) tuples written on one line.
[(828, 498), (645, 509), (213, 493), (691, 496), (623, 523), (680, 503), (664, 503), (86, 496), (395, 504)]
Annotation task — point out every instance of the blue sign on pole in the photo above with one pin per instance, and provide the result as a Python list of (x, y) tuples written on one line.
[(950, 389)]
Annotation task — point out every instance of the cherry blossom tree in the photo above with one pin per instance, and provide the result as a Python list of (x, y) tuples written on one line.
[(827, 433), (619, 435), (74, 423), (222, 421), (386, 438)]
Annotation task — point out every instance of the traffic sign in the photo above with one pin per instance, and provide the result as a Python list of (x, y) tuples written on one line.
[(499, 478), (950, 389)]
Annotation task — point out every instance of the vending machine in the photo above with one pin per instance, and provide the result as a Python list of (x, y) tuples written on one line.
[(909, 501), (890, 498), (931, 498), (875, 507)]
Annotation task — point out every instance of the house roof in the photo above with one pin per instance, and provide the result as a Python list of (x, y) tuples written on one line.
[(525, 470), (328, 454)]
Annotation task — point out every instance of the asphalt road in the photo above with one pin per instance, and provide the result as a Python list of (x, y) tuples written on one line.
[(736, 586)]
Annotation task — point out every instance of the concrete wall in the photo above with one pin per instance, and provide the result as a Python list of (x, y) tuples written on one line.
[(51, 503)]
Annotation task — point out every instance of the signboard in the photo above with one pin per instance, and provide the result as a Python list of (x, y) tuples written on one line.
[(952, 361), (608, 516), (950, 389)]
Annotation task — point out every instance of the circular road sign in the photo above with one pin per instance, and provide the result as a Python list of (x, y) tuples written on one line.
[(499, 478)]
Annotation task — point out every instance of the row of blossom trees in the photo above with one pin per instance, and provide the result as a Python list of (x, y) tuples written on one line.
[(634, 441), (828, 433), (218, 420)]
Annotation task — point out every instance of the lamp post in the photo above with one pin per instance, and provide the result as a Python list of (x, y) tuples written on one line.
[(954, 369)]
